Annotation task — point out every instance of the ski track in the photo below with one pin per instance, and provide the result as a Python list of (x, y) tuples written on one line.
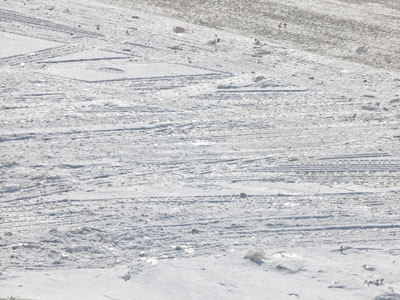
[(80, 161)]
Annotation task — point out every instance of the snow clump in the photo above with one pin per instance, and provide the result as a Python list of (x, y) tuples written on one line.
[(388, 296), (257, 256)]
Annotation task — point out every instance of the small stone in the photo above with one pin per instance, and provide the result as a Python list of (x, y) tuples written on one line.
[(361, 50), (369, 268), (179, 29), (126, 277)]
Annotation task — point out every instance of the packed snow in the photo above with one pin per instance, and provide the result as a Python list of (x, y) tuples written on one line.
[(151, 150)]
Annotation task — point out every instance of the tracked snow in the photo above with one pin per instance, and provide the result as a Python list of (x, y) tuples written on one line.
[(143, 156)]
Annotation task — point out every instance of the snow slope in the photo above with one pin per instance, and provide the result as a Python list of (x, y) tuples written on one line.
[(311, 274), (354, 30), (142, 157)]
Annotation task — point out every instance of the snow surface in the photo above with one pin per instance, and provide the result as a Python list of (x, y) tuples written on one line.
[(138, 161), (308, 274), (130, 71), (13, 44)]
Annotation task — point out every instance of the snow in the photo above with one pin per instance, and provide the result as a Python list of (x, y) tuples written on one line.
[(87, 55), (144, 156), (308, 274), (256, 256), (130, 71), (13, 44)]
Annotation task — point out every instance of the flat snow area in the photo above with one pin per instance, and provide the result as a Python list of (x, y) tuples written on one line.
[(311, 274), (146, 156), (13, 44), (130, 71)]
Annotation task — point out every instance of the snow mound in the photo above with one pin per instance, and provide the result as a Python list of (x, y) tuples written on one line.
[(257, 256), (289, 269), (388, 296)]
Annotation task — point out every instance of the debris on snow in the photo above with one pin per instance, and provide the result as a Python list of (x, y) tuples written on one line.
[(376, 282), (361, 50), (369, 268), (215, 41), (178, 29)]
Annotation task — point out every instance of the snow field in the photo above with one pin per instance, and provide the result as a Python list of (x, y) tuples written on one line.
[(136, 160)]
